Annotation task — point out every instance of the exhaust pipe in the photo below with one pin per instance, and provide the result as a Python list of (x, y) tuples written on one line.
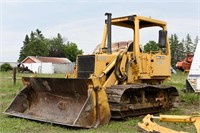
[(109, 43)]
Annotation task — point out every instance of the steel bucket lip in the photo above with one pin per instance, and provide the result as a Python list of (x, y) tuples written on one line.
[(27, 77), (22, 116)]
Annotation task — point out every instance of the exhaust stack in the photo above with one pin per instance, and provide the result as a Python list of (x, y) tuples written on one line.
[(109, 42)]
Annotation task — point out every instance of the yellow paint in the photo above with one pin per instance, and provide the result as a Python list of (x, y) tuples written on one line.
[(151, 67)]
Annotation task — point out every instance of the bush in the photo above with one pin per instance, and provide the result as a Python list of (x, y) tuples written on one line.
[(5, 67)]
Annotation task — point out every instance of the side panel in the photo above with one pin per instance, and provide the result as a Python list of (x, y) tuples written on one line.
[(160, 65), (102, 61), (145, 63)]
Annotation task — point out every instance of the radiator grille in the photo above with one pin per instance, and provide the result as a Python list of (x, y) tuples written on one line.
[(86, 65)]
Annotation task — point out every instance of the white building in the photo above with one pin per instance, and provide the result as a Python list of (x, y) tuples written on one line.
[(48, 65)]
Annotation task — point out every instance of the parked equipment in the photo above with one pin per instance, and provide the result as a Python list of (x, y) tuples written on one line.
[(193, 79), (185, 64), (106, 84), (149, 126)]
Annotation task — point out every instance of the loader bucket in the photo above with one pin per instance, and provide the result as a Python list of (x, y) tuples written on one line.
[(70, 102)]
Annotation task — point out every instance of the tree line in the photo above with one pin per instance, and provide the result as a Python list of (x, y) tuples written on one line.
[(179, 49), (36, 44)]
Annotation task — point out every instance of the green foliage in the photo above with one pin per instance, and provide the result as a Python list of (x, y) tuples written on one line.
[(177, 49), (189, 47), (56, 47), (195, 42), (36, 44), (5, 67), (16, 125), (71, 51), (190, 98), (151, 46)]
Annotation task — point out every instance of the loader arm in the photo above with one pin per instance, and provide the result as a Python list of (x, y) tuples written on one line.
[(149, 125), (184, 119)]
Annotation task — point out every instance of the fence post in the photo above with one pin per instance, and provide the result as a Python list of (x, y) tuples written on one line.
[(14, 75)]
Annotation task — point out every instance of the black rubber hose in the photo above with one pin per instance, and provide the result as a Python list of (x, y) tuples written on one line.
[(117, 72)]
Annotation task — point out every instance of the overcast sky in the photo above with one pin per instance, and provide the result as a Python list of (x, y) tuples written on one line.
[(82, 22)]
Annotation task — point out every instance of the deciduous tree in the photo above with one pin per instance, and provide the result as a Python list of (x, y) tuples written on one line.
[(71, 51), (151, 46), (56, 47), (35, 45)]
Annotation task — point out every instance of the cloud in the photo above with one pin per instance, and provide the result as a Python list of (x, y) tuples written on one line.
[(78, 22), (10, 45), (10, 53), (85, 33), (183, 26)]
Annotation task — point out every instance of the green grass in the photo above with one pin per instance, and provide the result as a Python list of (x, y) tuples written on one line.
[(8, 91)]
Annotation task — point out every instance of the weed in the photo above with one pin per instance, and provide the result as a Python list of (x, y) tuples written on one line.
[(17, 125)]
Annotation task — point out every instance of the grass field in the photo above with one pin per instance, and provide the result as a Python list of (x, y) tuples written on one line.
[(189, 103)]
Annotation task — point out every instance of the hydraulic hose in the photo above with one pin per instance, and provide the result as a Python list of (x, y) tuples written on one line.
[(121, 77)]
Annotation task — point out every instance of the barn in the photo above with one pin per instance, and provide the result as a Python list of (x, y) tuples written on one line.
[(48, 65)]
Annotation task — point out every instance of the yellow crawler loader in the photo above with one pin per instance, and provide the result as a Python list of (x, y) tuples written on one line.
[(118, 84)]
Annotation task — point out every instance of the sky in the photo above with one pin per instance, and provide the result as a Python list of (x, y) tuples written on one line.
[(82, 21)]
